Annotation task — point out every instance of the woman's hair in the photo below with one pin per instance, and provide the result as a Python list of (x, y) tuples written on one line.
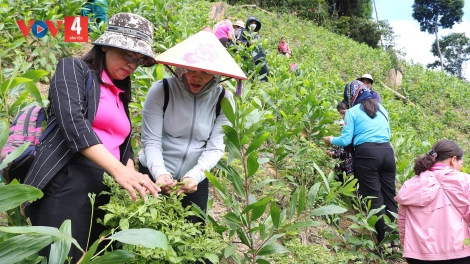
[(96, 60), (441, 151), (341, 106), (370, 106)]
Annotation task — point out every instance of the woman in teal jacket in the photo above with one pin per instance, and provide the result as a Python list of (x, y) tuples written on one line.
[(367, 127)]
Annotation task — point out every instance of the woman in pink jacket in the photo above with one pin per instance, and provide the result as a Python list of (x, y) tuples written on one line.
[(434, 208)]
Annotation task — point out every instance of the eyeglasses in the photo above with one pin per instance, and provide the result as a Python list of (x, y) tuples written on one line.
[(131, 57)]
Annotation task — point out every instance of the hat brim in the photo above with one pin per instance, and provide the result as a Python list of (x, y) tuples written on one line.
[(129, 43), (202, 52), (361, 78)]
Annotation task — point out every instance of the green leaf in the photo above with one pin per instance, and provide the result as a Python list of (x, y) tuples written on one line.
[(252, 164), (213, 180), (302, 201), (35, 75), (258, 211), (242, 236), (262, 184), (89, 254), (13, 109), (232, 217), (302, 224), (328, 210), (272, 248), (19, 247), (145, 237), (275, 214), (257, 143), (13, 195), (312, 194), (237, 182), (114, 257), (39, 230), (159, 71), (13, 46), (262, 261), (293, 203), (232, 135), (466, 241), (12, 83), (34, 92), (322, 175), (228, 110), (213, 258), (61, 247), (13, 155), (261, 202), (4, 132)]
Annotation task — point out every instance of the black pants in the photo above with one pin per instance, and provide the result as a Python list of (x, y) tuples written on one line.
[(66, 197), (263, 70), (449, 261), (374, 167), (224, 41), (198, 197)]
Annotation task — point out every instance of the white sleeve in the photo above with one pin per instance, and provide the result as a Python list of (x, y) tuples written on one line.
[(152, 130)]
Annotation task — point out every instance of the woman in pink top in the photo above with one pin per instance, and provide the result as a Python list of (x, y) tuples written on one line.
[(93, 132), (434, 208), (284, 48), (224, 31)]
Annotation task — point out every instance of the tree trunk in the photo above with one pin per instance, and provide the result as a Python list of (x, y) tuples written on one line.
[(377, 19), (437, 42)]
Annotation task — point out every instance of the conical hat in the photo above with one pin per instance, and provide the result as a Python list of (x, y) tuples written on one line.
[(202, 52)]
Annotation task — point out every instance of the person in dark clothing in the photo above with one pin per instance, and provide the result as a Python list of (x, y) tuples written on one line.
[(250, 36), (345, 154)]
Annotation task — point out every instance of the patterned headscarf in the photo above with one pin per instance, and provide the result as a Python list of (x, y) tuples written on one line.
[(355, 92)]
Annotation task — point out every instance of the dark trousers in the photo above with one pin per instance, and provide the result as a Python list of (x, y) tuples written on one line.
[(449, 261), (374, 167), (66, 197), (198, 197), (224, 41), (264, 70)]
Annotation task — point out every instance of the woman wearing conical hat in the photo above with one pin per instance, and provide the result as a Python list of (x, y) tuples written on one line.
[(182, 135)]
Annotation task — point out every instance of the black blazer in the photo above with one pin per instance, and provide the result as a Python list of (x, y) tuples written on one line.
[(75, 111)]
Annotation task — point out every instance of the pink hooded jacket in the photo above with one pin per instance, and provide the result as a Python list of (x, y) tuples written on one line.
[(429, 224)]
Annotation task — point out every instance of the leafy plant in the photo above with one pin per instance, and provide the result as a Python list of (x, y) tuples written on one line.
[(188, 242)]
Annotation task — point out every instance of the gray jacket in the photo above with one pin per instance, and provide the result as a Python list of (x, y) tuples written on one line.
[(190, 139)]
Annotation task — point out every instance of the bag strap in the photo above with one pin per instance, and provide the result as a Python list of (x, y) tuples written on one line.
[(53, 124), (383, 114), (445, 192), (166, 91), (218, 107)]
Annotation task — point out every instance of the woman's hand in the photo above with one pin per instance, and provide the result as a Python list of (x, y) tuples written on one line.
[(126, 176), (132, 181), (165, 182), (330, 153), (190, 186)]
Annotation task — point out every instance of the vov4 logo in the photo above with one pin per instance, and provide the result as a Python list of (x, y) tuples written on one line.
[(76, 28)]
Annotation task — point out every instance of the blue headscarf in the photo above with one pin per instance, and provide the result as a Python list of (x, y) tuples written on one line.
[(355, 92)]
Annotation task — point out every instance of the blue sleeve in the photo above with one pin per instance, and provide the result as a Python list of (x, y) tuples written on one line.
[(347, 134)]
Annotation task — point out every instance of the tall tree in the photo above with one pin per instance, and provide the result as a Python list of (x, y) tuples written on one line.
[(455, 50), (432, 14)]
